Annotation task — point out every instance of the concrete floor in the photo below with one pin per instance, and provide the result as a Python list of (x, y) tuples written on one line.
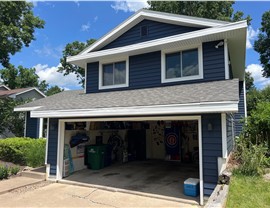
[(153, 178)]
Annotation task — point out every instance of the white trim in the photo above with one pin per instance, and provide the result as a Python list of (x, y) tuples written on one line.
[(34, 88), (245, 98), (61, 131), (40, 133), (163, 64), (85, 77), (224, 135), (152, 15), (47, 143), (27, 108), (154, 44), (101, 63), (226, 59), (5, 87), (25, 124), (209, 107)]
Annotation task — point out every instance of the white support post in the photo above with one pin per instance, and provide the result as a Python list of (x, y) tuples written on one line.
[(40, 133), (226, 59), (224, 135)]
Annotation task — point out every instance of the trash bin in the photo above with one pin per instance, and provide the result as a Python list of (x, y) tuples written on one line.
[(95, 156)]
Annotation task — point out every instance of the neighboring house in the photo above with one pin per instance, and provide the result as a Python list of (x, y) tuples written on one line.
[(158, 67), (33, 126)]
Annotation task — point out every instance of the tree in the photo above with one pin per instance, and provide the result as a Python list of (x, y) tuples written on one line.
[(220, 10), (72, 49), (249, 81), (17, 27), (262, 44), (53, 90)]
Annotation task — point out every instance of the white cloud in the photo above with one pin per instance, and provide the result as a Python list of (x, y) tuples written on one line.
[(251, 36), (53, 77), (95, 18), (47, 50), (129, 5), (256, 73), (86, 27)]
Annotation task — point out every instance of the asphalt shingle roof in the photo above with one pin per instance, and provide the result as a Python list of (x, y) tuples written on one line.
[(5, 93), (216, 91)]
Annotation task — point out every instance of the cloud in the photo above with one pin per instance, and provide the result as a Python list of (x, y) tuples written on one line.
[(53, 77), (95, 19), (129, 5), (47, 50), (251, 36), (86, 27), (256, 73), (77, 2)]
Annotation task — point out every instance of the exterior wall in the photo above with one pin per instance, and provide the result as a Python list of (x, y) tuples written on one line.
[(230, 132), (52, 145), (241, 110), (145, 70), (155, 30), (211, 150), (33, 95), (32, 126)]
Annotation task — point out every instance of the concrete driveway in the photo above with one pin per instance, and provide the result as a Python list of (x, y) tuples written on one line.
[(63, 195)]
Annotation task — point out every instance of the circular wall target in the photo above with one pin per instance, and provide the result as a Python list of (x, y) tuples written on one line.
[(171, 140)]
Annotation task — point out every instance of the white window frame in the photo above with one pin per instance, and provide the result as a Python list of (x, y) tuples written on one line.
[(163, 64), (100, 78)]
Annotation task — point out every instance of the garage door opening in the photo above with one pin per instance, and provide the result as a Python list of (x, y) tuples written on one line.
[(152, 156)]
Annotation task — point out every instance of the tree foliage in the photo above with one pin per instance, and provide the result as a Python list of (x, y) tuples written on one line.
[(262, 44), (53, 90), (249, 81), (219, 10), (17, 27), (72, 49)]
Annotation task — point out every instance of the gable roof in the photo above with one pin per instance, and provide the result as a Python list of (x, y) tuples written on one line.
[(19, 91), (155, 16), (76, 103), (4, 86)]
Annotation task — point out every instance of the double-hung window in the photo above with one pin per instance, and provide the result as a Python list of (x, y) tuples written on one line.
[(182, 65), (113, 75)]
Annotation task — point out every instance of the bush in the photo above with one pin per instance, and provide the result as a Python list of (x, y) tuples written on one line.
[(3, 172), (14, 170), (23, 151), (252, 157)]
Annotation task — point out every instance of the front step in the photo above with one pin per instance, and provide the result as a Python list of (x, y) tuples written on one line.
[(37, 173)]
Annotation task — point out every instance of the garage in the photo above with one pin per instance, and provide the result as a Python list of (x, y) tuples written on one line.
[(146, 155)]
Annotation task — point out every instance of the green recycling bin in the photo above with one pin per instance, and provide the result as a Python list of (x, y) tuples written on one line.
[(95, 156)]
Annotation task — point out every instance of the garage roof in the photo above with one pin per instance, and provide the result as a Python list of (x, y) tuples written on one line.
[(187, 94)]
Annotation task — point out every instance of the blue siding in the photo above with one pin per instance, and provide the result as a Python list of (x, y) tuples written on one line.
[(52, 145), (240, 115), (230, 132), (32, 126), (155, 30), (145, 70), (211, 150)]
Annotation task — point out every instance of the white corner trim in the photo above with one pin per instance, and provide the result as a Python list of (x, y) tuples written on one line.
[(25, 124), (245, 98), (213, 107), (163, 64), (26, 108), (200, 160), (40, 132), (224, 135), (100, 78), (85, 77), (47, 143), (226, 59), (60, 150)]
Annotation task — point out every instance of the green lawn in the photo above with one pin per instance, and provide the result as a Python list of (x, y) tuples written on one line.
[(246, 191)]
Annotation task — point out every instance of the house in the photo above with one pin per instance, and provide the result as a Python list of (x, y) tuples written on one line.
[(156, 73), (33, 126)]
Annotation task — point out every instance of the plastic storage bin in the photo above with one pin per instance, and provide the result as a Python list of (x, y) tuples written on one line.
[(95, 156), (191, 187)]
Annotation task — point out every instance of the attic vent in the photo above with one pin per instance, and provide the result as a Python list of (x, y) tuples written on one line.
[(144, 31)]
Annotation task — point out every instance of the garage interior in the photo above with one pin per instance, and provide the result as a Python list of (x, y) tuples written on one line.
[(153, 157)]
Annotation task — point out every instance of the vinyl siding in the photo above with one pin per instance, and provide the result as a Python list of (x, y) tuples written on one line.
[(32, 126), (145, 70), (240, 115), (155, 30), (33, 95), (211, 150), (230, 132), (52, 145)]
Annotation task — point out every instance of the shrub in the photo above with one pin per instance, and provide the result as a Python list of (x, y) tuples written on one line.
[(252, 157), (3, 172), (23, 151), (14, 170)]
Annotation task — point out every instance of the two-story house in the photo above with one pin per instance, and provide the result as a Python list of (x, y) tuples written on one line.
[(176, 83)]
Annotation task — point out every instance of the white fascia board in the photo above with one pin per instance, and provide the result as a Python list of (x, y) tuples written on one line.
[(22, 109), (34, 88), (193, 108), (152, 15), (5, 87), (158, 42)]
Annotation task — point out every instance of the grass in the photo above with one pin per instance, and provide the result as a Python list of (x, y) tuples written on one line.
[(248, 191)]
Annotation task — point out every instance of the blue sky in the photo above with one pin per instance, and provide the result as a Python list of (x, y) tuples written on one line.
[(70, 21)]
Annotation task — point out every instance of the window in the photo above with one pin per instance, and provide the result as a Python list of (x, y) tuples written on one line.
[(182, 65), (113, 75)]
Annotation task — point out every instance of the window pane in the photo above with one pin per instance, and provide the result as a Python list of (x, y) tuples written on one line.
[(190, 66), (120, 73), (107, 74), (173, 65)]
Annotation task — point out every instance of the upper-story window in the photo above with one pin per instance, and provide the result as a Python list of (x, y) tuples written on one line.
[(181, 65), (113, 75)]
